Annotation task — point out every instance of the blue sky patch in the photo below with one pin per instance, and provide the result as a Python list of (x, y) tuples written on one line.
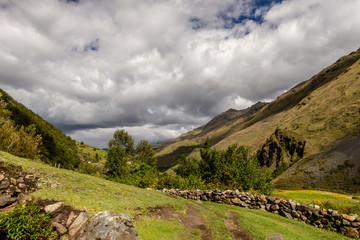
[(92, 46)]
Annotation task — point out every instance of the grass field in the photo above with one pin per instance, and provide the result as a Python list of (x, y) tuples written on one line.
[(97, 194)]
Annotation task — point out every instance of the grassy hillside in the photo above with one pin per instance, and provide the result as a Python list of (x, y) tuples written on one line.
[(157, 216), (55, 146), (322, 110)]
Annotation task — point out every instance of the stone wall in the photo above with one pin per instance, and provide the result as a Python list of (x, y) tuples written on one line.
[(348, 225)]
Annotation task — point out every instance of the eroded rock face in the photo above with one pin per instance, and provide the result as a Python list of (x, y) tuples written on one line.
[(108, 226), (282, 146)]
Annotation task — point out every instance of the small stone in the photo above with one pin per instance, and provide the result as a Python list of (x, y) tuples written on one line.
[(53, 207), (355, 224), (324, 212), (70, 219), (277, 236), (295, 214), (21, 198), (20, 180), (2, 176), (78, 223), (60, 228), (4, 184), (6, 200), (22, 186), (350, 232), (13, 181), (262, 198), (275, 207), (345, 222), (8, 209), (64, 237), (335, 214), (236, 201), (349, 217), (29, 176)]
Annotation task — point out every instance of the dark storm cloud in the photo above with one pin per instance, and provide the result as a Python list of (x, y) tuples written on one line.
[(160, 68)]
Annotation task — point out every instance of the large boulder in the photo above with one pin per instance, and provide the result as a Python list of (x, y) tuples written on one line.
[(108, 226)]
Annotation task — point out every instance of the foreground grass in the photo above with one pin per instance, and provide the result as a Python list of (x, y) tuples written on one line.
[(341, 202), (97, 194)]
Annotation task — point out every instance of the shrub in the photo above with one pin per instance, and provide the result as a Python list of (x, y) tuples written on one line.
[(26, 222)]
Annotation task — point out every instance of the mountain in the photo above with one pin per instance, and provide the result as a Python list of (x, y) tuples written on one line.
[(292, 131), (54, 147)]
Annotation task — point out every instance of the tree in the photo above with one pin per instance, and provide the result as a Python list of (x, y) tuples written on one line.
[(121, 150), (187, 166), (145, 153)]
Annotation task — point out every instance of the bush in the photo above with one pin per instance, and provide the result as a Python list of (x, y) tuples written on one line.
[(26, 222)]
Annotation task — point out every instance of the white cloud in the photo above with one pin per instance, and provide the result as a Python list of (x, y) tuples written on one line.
[(162, 67)]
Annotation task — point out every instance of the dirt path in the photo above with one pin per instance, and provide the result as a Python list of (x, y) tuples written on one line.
[(232, 225), (190, 218)]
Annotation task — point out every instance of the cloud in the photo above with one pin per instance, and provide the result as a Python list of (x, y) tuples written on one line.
[(160, 68)]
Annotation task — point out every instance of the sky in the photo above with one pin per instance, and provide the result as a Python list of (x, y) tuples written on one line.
[(159, 68)]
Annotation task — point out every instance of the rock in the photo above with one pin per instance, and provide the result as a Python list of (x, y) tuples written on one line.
[(108, 225), (295, 214), (274, 207), (6, 210), (21, 198), (4, 184), (236, 201), (78, 223), (29, 176), (70, 219), (271, 199), (59, 228), (335, 214), (345, 222), (349, 217), (350, 232), (21, 185), (6, 200), (53, 207), (64, 238), (355, 224), (277, 236), (13, 181), (20, 180), (2, 176), (263, 198), (324, 212), (285, 214)]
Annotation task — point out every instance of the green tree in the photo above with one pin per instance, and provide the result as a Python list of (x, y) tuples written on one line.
[(187, 166), (145, 153), (121, 150)]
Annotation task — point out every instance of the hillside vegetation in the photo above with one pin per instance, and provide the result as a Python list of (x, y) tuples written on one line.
[(156, 215), (54, 147), (320, 111)]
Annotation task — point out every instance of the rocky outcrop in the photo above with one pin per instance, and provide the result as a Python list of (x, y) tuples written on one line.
[(348, 225), (282, 147)]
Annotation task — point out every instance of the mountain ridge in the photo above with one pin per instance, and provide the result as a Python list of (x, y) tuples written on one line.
[(323, 110)]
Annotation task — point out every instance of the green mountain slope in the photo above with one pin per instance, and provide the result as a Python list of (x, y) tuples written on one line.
[(55, 146), (320, 111), (156, 215)]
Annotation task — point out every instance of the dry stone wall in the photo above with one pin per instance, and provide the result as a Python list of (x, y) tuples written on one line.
[(346, 224)]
